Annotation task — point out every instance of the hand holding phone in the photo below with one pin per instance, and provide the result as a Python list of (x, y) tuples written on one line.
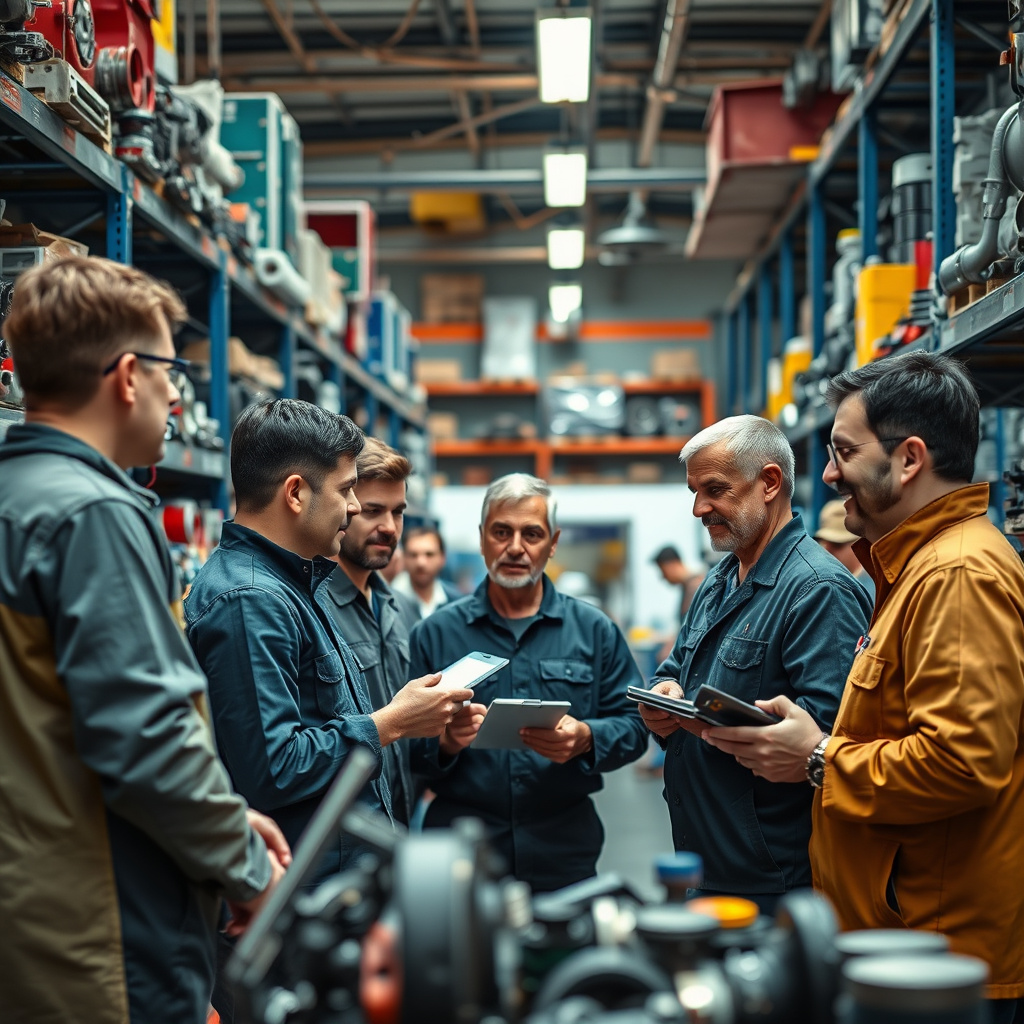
[(465, 673)]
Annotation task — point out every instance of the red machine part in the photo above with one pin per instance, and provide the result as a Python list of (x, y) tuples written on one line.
[(69, 27), (126, 53)]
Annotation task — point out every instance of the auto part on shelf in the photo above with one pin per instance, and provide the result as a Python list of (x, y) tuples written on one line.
[(126, 55), (856, 28), (19, 44), (64, 90)]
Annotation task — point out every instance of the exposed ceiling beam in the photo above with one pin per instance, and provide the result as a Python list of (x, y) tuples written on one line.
[(519, 182), (472, 26), (294, 44), (673, 34), (818, 26), (445, 22), (323, 148), (412, 83), (466, 118)]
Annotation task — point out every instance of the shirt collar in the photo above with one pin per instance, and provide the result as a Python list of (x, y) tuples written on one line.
[(305, 571), (478, 605), (343, 591), (767, 568), (889, 555)]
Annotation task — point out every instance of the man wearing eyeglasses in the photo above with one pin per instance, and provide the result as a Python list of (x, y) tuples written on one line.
[(120, 831), (776, 615), (919, 809)]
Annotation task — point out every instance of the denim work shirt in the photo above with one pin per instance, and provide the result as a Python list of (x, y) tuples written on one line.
[(539, 814), (790, 629), (381, 649), (287, 697)]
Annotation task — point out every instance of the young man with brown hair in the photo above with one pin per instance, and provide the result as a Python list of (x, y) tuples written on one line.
[(369, 615), (120, 831)]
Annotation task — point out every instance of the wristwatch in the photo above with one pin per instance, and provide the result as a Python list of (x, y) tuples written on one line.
[(816, 762)]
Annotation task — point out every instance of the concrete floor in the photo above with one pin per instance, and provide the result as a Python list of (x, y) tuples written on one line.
[(636, 826)]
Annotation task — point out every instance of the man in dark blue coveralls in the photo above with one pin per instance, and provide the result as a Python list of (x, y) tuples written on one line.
[(535, 802)]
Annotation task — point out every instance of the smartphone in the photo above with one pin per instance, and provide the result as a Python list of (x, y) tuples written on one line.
[(674, 705), (465, 673), (716, 707)]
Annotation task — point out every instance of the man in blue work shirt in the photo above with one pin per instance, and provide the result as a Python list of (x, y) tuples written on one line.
[(288, 700), (535, 802), (778, 615)]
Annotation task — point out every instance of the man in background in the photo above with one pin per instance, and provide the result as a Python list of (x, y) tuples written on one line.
[(120, 832), (535, 802), (837, 540), (674, 571), (423, 548), (362, 604)]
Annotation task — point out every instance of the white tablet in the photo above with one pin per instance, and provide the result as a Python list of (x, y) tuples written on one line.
[(500, 730)]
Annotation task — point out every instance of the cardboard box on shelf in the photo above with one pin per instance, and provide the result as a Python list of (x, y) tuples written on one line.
[(476, 476), (451, 298), (643, 473), (439, 480), (438, 371), (57, 246), (675, 364), (443, 426)]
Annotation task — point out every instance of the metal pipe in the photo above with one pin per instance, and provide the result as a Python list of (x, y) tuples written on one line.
[(213, 38), (496, 181), (673, 33), (970, 263)]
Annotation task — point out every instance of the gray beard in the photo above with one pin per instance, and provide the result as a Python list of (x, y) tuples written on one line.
[(513, 582)]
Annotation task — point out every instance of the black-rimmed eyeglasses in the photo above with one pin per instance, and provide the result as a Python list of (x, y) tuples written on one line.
[(841, 453), (179, 370)]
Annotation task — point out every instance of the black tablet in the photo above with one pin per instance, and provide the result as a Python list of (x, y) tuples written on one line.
[(716, 707)]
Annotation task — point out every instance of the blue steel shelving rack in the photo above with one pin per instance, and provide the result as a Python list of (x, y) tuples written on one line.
[(775, 259), (126, 201)]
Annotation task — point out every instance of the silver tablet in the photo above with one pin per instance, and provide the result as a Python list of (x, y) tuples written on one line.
[(506, 717)]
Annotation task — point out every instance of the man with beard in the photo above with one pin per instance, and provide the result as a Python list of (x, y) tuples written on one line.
[(366, 610), (288, 699), (919, 809), (535, 801), (778, 615)]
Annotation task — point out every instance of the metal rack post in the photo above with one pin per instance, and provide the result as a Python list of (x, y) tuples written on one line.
[(867, 183), (766, 324), (220, 402), (943, 98)]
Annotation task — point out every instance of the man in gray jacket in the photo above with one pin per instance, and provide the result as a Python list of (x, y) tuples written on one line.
[(120, 832)]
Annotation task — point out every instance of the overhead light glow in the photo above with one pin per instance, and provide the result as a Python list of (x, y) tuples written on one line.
[(564, 300), (563, 54), (565, 177), (565, 248)]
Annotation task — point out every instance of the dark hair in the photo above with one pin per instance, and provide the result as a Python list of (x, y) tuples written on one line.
[(669, 553), (918, 395), (273, 440), (424, 531)]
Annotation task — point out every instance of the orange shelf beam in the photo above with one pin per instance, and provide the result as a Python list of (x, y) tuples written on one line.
[(590, 330), (621, 446), (481, 388)]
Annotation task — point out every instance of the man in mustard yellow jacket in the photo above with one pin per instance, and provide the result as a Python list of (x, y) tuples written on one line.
[(918, 821)]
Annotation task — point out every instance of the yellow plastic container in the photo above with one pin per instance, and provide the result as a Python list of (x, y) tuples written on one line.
[(775, 403), (796, 358), (883, 297)]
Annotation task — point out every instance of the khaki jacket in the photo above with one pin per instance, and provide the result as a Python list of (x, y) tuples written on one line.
[(920, 822)]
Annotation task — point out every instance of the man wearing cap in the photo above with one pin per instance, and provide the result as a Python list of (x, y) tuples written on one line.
[(837, 540)]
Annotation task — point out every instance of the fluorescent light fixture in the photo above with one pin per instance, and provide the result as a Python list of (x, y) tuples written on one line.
[(565, 248), (563, 54), (565, 177), (564, 300)]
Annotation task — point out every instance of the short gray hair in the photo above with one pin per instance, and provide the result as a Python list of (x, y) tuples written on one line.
[(753, 442), (514, 488)]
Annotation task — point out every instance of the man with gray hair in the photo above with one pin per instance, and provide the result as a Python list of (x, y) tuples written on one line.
[(535, 801), (777, 616)]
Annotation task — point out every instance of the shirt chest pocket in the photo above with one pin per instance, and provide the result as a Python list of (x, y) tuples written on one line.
[(330, 684), (568, 679), (741, 661), (861, 710), (367, 654)]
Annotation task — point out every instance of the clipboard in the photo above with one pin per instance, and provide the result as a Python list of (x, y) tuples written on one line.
[(505, 717)]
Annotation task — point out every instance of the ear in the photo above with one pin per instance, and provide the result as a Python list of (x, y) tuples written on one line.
[(914, 460), (771, 480), (554, 544), (124, 380), (296, 493)]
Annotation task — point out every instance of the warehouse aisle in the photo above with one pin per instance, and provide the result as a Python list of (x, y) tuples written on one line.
[(636, 826)]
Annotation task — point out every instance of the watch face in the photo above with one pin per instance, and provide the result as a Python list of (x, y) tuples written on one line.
[(816, 772)]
